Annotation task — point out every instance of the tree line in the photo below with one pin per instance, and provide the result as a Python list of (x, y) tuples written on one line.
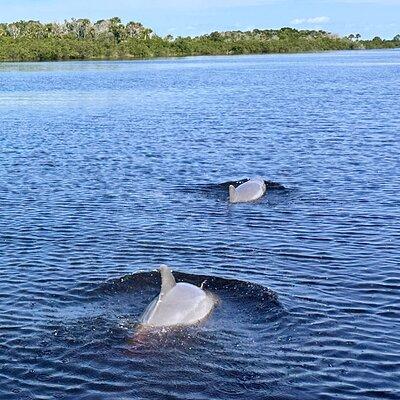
[(80, 39)]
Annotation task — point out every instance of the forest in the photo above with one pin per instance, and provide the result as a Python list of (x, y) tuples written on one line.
[(81, 39)]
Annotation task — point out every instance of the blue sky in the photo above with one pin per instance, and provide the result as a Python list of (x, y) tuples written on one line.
[(191, 17)]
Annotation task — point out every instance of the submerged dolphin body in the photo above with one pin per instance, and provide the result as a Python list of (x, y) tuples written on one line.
[(251, 190), (177, 304)]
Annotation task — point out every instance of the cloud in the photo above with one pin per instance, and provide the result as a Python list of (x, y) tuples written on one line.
[(311, 21)]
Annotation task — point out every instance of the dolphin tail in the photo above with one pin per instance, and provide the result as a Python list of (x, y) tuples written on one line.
[(167, 279), (232, 194)]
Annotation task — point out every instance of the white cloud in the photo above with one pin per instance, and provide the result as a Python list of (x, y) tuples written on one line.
[(311, 21)]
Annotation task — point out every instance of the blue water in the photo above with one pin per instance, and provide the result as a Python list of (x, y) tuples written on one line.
[(108, 169)]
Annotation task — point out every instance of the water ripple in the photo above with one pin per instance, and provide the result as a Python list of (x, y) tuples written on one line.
[(111, 168)]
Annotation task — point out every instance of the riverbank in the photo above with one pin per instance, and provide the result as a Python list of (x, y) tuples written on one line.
[(112, 40)]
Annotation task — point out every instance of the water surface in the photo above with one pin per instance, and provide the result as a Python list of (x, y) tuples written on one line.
[(108, 169)]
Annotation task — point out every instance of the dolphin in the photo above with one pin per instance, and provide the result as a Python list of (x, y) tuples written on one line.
[(177, 304), (251, 190)]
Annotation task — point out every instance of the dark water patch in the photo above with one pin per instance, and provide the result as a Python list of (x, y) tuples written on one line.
[(219, 354), (270, 185), (220, 191), (143, 281)]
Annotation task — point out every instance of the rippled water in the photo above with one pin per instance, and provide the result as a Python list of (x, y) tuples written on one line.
[(108, 169)]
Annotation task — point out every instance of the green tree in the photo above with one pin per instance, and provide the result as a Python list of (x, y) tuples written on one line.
[(110, 38)]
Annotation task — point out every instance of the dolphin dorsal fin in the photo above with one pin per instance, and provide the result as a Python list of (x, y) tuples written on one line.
[(167, 279), (232, 193)]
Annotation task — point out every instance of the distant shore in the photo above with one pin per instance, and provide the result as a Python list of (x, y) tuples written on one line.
[(150, 58), (112, 40)]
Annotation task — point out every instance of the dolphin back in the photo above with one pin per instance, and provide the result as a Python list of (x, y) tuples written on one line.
[(251, 190), (177, 304)]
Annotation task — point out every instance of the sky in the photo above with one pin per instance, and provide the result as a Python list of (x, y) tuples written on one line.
[(192, 17)]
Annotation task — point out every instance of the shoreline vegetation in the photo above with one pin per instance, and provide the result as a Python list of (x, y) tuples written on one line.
[(81, 39)]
